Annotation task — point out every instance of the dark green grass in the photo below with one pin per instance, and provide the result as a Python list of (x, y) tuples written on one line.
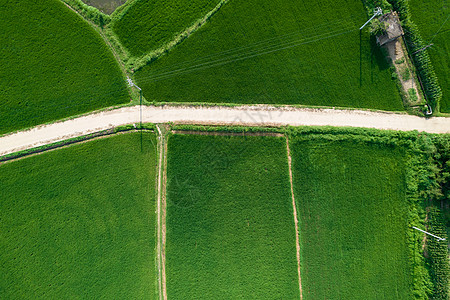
[(352, 206), (346, 70), (79, 222), (149, 24), (429, 16), (53, 65), (230, 228)]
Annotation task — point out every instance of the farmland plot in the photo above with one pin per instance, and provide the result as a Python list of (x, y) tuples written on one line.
[(283, 51), (79, 222), (53, 65), (351, 200), (148, 24), (230, 227), (432, 19)]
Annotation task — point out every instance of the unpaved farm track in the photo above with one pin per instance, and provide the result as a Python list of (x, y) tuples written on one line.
[(241, 115)]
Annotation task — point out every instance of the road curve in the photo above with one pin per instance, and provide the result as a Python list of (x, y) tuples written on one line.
[(242, 115)]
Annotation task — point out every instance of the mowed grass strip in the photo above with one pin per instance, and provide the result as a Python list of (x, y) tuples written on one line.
[(432, 18), (148, 24), (230, 227), (53, 65), (277, 51), (352, 207), (79, 222)]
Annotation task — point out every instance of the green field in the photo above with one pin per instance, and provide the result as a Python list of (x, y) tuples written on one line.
[(432, 18), (79, 222), (148, 24), (230, 228), (283, 51), (53, 65), (351, 199)]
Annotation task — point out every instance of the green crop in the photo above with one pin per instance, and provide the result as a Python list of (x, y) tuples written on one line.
[(432, 19), (148, 24), (53, 65), (353, 212), (79, 222), (286, 52), (230, 226)]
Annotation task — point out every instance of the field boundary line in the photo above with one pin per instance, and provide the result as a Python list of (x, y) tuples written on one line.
[(158, 211), (161, 211), (297, 239), (224, 133), (163, 220)]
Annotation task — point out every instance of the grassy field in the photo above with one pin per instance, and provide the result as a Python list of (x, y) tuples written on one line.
[(53, 65), (351, 200), (230, 228), (283, 51), (148, 24), (79, 222), (432, 18)]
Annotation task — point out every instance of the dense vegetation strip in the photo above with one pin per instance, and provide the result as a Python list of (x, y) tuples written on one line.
[(420, 57), (146, 25), (79, 222), (230, 230), (54, 65), (284, 51), (432, 19)]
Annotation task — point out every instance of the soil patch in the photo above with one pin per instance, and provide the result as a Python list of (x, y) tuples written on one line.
[(105, 6)]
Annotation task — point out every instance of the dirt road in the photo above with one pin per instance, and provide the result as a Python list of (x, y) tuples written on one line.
[(245, 115)]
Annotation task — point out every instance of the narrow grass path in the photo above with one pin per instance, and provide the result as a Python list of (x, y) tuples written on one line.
[(161, 213), (294, 207)]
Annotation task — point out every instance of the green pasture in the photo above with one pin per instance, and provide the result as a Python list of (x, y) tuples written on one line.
[(53, 65), (282, 51), (351, 199), (230, 227), (79, 222), (148, 24), (432, 18)]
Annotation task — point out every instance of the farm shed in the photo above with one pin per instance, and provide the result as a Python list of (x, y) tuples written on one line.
[(394, 29)]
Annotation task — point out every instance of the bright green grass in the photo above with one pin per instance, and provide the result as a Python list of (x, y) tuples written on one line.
[(53, 65), (333, 71), (148, 24), (430, 15), (352, 206), (79, 222), (230, 227)]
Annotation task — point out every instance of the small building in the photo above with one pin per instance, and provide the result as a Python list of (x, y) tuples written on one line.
[(394, 29)]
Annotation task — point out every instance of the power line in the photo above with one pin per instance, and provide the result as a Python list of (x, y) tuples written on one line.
[(275, 38), (434, 35), (243, 56)]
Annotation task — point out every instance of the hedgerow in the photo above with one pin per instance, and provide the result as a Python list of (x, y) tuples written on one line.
[(431, 18)]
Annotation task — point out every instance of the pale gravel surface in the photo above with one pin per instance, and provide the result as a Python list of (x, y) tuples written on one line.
[(244, 115)]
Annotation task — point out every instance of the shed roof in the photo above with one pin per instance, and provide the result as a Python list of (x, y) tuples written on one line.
[(394, 29)]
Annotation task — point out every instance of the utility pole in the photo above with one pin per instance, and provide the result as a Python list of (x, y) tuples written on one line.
[(435, 236), (377, 11), (131, 83)]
